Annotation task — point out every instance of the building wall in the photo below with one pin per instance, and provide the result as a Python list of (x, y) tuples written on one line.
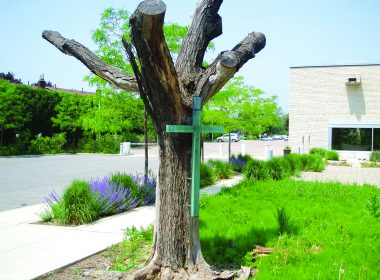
[(319, 96)]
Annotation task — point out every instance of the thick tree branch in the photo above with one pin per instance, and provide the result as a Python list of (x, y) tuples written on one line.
[(228, 63), (136, 70), (157, 68), (206, 25), (91, 61)]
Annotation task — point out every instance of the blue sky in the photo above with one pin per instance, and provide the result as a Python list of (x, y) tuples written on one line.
[(299, 33)]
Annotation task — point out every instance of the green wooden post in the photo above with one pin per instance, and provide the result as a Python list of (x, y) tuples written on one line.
[(196, 129)]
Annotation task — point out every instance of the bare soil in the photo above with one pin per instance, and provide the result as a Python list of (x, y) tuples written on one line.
[(94, 267)]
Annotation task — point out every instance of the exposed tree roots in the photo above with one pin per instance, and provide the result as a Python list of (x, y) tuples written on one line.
[(201, 271)]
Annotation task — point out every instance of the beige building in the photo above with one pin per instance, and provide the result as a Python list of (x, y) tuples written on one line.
[(335, 107)]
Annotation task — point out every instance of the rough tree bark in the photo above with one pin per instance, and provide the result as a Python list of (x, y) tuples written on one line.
[(167, 95)]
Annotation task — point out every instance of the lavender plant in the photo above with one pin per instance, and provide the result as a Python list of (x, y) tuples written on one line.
[(147, 188), (112, 198), (83, 202), (239, 161)]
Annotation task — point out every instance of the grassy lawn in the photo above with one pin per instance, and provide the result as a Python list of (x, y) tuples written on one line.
[(328, 230)]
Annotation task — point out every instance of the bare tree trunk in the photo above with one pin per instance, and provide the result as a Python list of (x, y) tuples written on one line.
[(172, 212)]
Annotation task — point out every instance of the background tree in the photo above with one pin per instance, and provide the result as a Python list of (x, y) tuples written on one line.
[(12, 117), (167, 94), (68, 118), (10, 77), (239, 107)]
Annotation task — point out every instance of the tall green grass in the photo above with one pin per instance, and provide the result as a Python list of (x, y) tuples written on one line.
[(326, 154), (319, 230), (78, 205), (280, 168), (375, 156)]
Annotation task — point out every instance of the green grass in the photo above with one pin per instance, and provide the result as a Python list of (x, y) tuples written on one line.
[(207, 175), (319, 230), (222, 169), (78, 205), (375, 156), (133, 251)]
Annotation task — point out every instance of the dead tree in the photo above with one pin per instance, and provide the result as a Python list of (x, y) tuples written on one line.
[(167, 95)]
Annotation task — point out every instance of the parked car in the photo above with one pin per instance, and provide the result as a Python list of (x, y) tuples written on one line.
[(266, 138), (278, 137), (285, 137), (225, 138)]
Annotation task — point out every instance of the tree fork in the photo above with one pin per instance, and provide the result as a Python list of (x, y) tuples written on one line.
[(156, 63)]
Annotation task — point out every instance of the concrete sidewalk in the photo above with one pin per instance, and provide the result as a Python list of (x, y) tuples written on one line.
[(345, 174), (28, 250)]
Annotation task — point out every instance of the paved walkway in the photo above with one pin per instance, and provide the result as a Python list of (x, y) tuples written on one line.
[(28, 250), (345, 174)]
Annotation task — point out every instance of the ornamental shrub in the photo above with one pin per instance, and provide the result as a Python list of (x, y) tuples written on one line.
[(146, 186), (142, 188), (326, 154), (332, 155), (239, 161), (312, 162), (111, 198), (222, 169), (295, 164), (256, 170), (278, 168), (78, 205), (207, 175), (375, 156)]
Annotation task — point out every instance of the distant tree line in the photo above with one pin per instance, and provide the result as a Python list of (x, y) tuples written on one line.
[(35, 120)]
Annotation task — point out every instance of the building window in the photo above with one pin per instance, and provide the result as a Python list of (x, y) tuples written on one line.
[(376, 139), (353, 139)]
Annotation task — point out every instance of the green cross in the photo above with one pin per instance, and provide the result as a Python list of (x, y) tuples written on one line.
[(196, 129)]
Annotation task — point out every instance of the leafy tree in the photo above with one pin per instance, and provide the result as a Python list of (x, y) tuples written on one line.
[(113, 112), (68, 118), (114, 23), (10, 77), (282, 126), (239, 107), (40, 105), (12, 116), (167, 90)]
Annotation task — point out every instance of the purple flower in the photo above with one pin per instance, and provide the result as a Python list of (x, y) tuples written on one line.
[(112, 199), (52, 198), (147, 188)]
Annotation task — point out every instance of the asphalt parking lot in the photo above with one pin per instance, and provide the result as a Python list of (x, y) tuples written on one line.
[(26, 180)]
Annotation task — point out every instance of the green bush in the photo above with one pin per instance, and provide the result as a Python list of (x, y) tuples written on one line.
[(318, 151), (239, 161), (375, 156), (222, 169), (256, 170), (295, 164), (313, 162), (332, 155), (78, 205), (207, 175), (48, 145), (326, 154), (278, 168), (125, 181), (108, 144)]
